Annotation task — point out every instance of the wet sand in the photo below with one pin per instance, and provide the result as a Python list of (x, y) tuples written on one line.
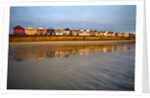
[(104, 67)]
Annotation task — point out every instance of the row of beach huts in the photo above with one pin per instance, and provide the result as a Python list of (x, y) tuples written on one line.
[(19, 30), (40, 53)]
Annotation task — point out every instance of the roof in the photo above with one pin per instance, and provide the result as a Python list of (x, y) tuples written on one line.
[(50, 28), (29, 27), (18, 27), (92, 31), (58, 28), (67, 29), (81, 30), (87, 30), (74, 30), (40, 27)]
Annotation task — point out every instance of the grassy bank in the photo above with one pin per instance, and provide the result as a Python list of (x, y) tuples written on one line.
[(108, 42), (35, 38)]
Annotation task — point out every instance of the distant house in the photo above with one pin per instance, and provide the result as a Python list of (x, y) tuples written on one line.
[(106, 33), (87, 33), (126, 34), (110, 34), (40, 31), (120, 34), (81, 32), (114, 34), (67, 31), (131, 35), (18, 30), (30, 31), (50, 31), (74, 32), (101, 33), (97, 33), (59, 31), (92, 33)]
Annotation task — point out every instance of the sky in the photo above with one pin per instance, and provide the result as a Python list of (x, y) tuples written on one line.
[(116, 18)]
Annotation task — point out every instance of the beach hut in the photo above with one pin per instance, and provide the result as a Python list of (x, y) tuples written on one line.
[(59, 31), (106, 33), (114, 34), (110, 34), (67, 31), (81, 32), (30, 31), (92, 33), (50, 31), (87, 33), (131, 35), (97, 33), (120, 34), (40, 31), (18, 30), (101, 33), (126, 34), (74, 32)]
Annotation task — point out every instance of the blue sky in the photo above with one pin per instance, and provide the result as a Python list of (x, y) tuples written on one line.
[(118, 18)]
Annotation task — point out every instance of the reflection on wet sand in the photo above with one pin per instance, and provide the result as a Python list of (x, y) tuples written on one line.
[(40, 52), (72, 67), (18, 57)]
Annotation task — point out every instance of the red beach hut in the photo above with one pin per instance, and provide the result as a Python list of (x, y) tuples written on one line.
[(18, 30), (40, 31)]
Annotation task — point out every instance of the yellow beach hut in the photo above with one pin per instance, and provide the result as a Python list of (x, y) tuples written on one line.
[(67, 31), (120, 34), (106, 33), (126, 34), (30, 31)]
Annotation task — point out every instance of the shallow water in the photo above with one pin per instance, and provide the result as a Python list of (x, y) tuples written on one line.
[(72, 67)]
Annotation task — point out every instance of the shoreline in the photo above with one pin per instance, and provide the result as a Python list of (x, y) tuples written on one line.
[(72, 42)]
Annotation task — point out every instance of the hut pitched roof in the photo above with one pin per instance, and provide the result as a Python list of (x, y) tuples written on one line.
[(87, 30), (40, 28), (18, 27), (67, 29), (58, 28), (29, 27), (50, 28)]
